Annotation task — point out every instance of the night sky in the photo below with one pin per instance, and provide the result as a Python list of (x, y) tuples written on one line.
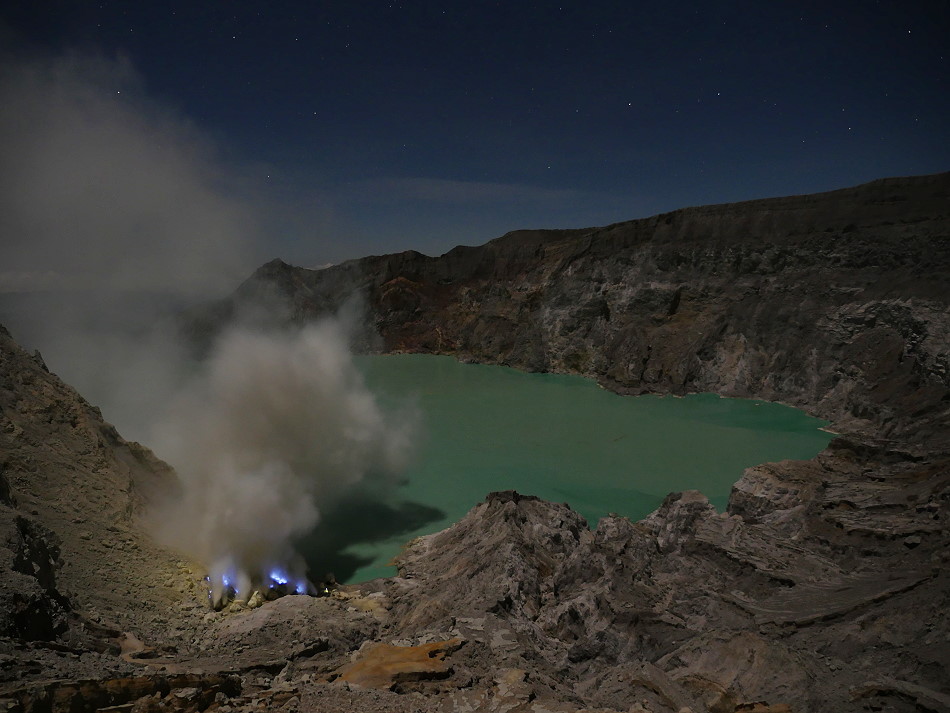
[(349, 128)]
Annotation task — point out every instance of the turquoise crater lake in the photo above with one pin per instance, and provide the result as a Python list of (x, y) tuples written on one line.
[(562, 438)]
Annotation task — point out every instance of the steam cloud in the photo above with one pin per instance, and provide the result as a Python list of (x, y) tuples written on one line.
[(102, 188), (278, 426), (115, 210)]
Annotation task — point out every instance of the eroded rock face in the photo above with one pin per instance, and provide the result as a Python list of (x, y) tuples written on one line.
[(31, 608), (689, 608), (836, 302)]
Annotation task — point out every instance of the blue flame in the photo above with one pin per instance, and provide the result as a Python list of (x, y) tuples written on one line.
[(227, 580), (277, 576), (301, 588)]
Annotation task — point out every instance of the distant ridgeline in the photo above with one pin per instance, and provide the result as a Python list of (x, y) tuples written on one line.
[(835, 302)]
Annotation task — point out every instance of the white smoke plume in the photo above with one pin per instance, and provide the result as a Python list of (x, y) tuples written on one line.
[(100, 187), (115, 211), (277, 427)]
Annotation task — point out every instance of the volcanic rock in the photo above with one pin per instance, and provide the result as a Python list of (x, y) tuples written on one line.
[(31, 608), (689, 608), (387, 666), (76, 568)]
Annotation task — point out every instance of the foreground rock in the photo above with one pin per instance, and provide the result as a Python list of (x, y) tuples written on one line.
[(689, 608)]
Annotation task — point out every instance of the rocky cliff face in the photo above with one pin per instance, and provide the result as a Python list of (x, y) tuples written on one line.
[(824, 586), (835, 302)]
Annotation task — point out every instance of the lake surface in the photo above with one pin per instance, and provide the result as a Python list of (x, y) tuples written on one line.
[(562, 438)]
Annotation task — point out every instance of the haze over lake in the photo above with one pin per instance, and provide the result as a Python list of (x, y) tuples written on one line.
[(562, 438)]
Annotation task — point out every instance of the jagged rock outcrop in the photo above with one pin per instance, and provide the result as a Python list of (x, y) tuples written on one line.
[(31, 608), (688, 607)]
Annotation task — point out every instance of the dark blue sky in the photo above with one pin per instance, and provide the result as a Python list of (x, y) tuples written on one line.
[(375, 127)]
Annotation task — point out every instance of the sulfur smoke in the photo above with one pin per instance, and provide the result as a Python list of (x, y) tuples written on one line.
[(116, 212), (275, 428)]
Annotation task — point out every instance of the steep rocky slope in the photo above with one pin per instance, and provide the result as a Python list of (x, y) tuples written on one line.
[(81, 583), (824, 586)]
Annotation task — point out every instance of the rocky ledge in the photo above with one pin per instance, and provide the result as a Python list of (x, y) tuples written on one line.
[(823, 586)]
